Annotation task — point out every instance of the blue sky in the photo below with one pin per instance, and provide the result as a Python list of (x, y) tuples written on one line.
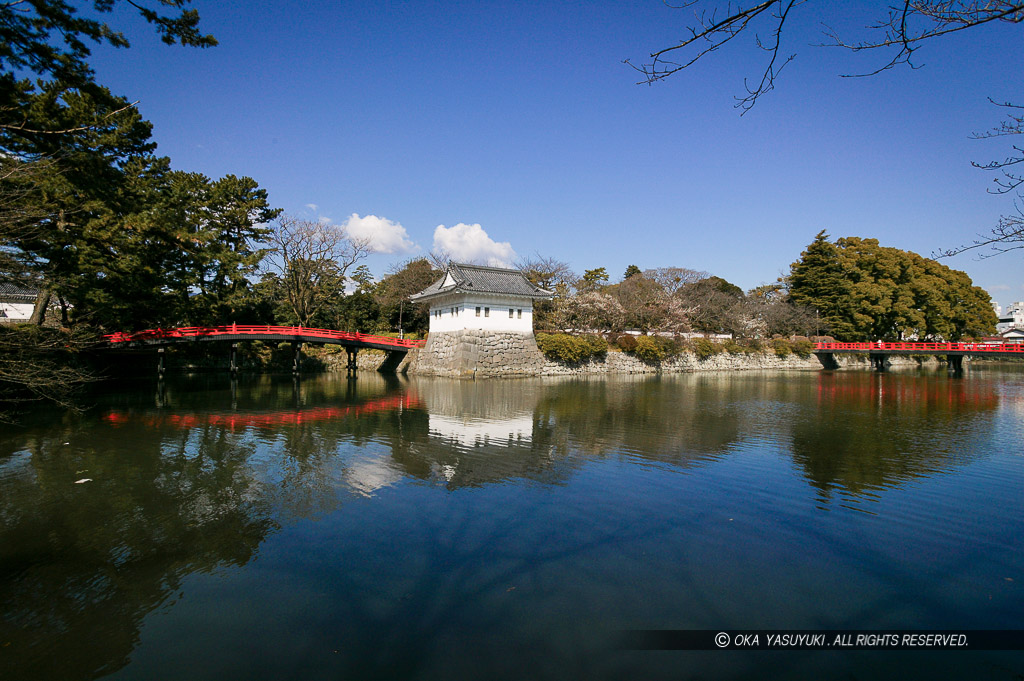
[(503, 129)]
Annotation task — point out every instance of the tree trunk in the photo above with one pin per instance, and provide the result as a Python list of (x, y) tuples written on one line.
[(64, 319), (42, 303)]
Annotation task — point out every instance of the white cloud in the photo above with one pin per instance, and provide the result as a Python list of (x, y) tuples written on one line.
[(999, 287), (470, 243), (313, 207), (384, 235)]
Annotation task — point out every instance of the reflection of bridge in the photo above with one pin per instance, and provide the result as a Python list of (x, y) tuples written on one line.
[(275, 419), (954, 352), (297, 335)]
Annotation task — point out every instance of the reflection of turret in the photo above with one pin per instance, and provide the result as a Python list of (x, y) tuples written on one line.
[(470, 432), (481, 432), (485, 432)]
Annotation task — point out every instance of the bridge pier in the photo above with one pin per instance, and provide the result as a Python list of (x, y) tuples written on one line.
[(160, 362), (955, 365), (297, 362), (351, 367), (828, 360), (878, 362), (234, 358)]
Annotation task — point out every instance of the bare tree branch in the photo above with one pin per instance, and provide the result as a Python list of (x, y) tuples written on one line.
[(312, 259), (902, 29), (102, 120)]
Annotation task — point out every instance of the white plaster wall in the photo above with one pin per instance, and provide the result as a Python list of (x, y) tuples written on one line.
[(493, 313), (16, 312), (470, 431)]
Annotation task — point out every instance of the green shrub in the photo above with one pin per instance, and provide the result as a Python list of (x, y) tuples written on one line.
[(704, 348), (732, 347), (595, 345), (668, 346), (803, 348), (648, 349), (781, 347), (568, 348), (753, 345)]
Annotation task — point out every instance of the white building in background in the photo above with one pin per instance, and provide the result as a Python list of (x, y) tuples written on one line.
[(1013, 318), (16, 303), (484, 298)]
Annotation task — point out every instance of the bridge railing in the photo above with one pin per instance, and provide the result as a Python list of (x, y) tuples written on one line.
[(257, 329), (925, 348)]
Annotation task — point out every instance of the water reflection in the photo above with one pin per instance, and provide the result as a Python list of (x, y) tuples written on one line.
[(82, 564), (196, 479), (870, 431)]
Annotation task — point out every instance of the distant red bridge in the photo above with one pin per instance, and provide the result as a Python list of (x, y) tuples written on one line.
[(396, 348), (240, 332), (954, 352)]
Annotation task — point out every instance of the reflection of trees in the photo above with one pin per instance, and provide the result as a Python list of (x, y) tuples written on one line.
[(175, 490), (871, 431), (82, 564), (648, 418), (183, 489)]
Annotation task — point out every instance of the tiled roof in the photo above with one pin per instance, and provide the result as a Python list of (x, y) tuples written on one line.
[(14, 292), (481, 279)]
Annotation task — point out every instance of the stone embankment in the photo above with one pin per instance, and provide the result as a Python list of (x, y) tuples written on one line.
[(478, 354)]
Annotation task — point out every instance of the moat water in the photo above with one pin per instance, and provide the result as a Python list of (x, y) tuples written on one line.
[(511, 529)]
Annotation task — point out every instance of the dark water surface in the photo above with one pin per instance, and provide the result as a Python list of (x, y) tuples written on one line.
[(434, 529)]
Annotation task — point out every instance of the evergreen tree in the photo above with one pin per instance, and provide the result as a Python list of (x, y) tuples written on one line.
[(864, 291)]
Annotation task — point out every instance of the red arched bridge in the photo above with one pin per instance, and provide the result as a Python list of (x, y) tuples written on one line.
[(297, 335), (954, 352)]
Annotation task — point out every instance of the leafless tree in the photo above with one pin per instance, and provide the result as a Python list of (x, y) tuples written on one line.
[(549, 273), (673, 279), (312, 260), (898, 33), (439, 259), (38, 364), (1008, 234)]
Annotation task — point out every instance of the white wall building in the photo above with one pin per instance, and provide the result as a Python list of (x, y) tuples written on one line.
[(1013, 318), (478, 297), (16, 303)]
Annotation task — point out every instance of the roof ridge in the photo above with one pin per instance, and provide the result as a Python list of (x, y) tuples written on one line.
[(485, 267)]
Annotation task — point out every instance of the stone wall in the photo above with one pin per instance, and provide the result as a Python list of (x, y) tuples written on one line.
[(479, 354), (861, 361), (474, 353), (482, 354), (368, 359), (625, 363)]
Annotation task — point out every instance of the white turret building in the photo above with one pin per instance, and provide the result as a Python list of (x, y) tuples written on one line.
[(478, 297), (481, 323)]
